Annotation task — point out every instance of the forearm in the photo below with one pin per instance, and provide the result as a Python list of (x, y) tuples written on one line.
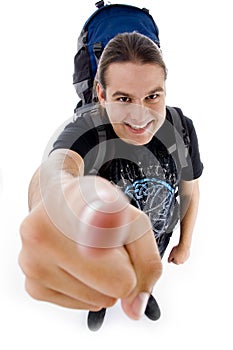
[(188, 207)]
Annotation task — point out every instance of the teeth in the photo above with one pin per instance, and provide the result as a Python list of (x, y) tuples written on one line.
[(137, 127)]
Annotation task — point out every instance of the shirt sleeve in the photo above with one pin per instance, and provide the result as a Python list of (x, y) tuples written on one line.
[(195, 166), (81, 137), (77, 136)]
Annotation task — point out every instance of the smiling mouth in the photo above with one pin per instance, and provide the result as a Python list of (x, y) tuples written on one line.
[(138, 128)]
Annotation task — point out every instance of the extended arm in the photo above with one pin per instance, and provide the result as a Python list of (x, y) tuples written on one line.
[(65, 204)]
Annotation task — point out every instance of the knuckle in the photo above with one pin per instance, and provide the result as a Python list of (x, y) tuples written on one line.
[(21, 262), (109, 302), (35, 291), (95, 308), (127, 289), (30, 267), (126, 286), (37, 272), (35, 228), (99, 300), (23, 230), (154, 268), (29, 233)]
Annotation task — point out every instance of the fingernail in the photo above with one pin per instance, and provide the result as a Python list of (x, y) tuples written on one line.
[(139, 304)]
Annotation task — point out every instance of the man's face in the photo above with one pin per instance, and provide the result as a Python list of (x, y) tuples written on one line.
[(134, 100)]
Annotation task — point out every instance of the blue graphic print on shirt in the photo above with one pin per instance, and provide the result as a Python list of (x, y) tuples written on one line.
[(155, 197)]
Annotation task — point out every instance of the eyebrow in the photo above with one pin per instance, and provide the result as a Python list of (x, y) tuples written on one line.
[(122, 93)]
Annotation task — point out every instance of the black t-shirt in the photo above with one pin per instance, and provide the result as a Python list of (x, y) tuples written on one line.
[(149, 175)]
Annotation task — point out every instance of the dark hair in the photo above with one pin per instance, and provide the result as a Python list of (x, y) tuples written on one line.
[(129, 47)]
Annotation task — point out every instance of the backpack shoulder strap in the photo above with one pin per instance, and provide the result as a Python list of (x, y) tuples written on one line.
[(96, 112), (181, 134)]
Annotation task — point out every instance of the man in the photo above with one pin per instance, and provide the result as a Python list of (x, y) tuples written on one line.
[(90, 240)]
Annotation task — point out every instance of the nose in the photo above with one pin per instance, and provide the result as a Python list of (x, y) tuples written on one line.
[(137, 111)]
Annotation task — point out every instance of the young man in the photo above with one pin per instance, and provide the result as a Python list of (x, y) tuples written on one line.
[(82, 236)]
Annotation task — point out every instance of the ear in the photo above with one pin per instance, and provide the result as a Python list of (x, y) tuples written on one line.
[(101, 94)]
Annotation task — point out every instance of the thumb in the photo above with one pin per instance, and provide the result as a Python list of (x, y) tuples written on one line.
[(147, 264)]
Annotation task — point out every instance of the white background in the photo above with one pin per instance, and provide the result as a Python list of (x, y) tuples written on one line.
[(38, 42)]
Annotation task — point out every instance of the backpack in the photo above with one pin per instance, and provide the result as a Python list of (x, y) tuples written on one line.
[(105, 23)]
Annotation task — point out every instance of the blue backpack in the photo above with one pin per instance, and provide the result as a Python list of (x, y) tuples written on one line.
[(105, 23)]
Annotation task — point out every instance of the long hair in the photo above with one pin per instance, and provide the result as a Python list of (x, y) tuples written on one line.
[(129, 47)]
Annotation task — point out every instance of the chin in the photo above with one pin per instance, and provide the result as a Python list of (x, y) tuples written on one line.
[(142, 141), (138, 141)]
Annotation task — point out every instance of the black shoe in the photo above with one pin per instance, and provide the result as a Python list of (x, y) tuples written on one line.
[(95, 319), (152, 310)]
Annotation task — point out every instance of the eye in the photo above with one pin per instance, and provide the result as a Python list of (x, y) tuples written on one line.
[(152, 98), (123, 99)]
